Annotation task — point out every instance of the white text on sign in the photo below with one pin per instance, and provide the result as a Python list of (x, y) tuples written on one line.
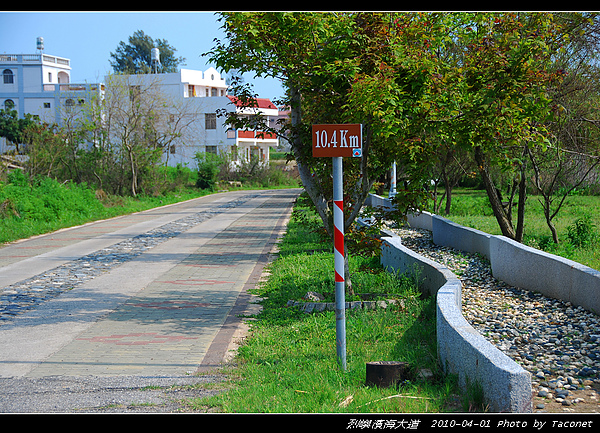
[(322, 139), (343, 140)]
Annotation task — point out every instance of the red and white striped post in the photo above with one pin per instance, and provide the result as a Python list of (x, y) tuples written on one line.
[(338, 141), (338, 243)]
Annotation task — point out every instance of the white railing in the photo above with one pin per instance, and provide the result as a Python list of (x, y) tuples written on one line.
[(34, 58), (74, 87)]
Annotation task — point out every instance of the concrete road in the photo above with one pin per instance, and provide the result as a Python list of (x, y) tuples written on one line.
[(166, 316)]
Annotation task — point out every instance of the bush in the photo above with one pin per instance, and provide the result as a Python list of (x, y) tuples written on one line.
[(582, 232), (17, 178), (176, 178), (44, 199), (209, 166), (251, 173)]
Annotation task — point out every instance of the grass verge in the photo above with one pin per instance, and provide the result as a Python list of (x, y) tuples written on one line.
[(29, 208), (288, 363), (471, 208)]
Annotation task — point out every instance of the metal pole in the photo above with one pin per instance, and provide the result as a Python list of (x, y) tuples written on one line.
[(393, 181), (338, 241)]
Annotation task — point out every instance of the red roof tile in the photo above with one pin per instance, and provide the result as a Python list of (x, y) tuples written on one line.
[(262, 102)]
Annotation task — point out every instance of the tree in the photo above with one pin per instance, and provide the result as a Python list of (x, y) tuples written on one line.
[(418, 82), (12, 127), (139, 125), (136, 56), (573, 153), (47, 150), (450, 164), (336, 68), (116, 141), (496, 99)]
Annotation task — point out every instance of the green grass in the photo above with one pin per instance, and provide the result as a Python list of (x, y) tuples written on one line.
[(470, 208), (33, 207), (45, 205), (289, 362)]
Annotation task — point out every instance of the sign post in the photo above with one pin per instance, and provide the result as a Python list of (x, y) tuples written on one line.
[(337, 142), (338, 246), (392, 192)]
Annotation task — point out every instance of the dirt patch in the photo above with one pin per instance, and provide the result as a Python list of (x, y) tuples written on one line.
[(577, 401)]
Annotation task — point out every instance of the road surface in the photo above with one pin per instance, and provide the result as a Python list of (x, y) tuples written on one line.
[(110, 315)]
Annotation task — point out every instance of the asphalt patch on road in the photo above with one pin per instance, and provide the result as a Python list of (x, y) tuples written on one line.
[(122, 394)]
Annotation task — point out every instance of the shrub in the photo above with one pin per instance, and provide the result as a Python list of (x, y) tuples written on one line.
[(209, 166), (17, 178), (582, 232)]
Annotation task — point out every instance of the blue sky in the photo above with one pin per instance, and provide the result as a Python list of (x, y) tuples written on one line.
[(88, 38)]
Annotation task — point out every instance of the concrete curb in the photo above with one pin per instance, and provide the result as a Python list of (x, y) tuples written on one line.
[(512, 262), (316, 307), (517, 264), (461, 349), (550, 275)]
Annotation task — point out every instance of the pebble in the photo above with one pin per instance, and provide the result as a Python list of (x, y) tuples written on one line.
[(555, 341), (27, 294)]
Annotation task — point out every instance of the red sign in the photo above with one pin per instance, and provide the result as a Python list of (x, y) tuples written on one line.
[(337, 140)]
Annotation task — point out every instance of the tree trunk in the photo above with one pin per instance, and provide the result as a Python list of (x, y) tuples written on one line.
[(311, 186), (362, 188), (448, 193), (522, 199), (550, 223), (347, 278), (306, 176), (503, 221), (133, 174)]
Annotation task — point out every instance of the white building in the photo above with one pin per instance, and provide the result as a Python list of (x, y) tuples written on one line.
[(40, 84), (255, 143), (203, 95)]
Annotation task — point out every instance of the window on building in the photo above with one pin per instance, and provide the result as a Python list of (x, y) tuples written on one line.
[(210, 120), (9, 78), (9, 104), (49, 77), (211, 149), (46, 104), (213, 92)]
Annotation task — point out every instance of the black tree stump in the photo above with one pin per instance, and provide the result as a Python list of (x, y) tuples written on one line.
[(385, 374)]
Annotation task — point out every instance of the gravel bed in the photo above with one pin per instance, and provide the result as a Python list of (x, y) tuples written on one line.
[(27, 294), (557, 342)]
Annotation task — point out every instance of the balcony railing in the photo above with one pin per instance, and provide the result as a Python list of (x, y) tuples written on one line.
[(257, 134), (38, 58), (74, 87)]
